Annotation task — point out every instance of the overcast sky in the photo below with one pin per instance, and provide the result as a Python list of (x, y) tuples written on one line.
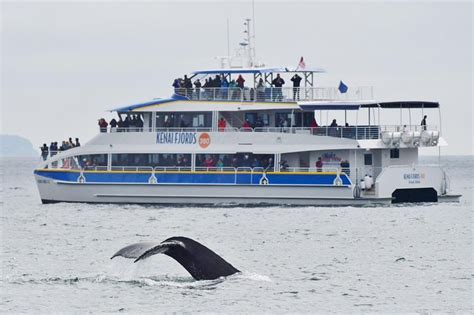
[(65, 64)]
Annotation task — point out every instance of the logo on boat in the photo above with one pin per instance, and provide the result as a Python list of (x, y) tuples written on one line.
[(204, 140), (176, 137), (414, 178)]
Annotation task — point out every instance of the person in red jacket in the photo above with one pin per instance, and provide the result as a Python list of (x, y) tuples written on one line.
[(246, 126), (103, 125), (222, 124)]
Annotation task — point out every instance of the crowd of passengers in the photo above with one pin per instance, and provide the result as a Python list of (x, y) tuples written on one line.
[(130, 123), (220, 88), (235, 161), (53, 148)]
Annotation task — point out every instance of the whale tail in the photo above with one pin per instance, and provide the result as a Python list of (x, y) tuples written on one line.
[(201, 262)]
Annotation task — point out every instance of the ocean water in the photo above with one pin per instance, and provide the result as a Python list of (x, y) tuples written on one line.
[(404, 258)]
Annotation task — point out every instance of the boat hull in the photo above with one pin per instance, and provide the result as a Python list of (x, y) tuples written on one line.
[(57, 191)]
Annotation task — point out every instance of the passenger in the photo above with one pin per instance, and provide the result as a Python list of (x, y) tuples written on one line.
[(209, 162), (334, 123), (63, 146), (345, 166), (232, 89), (270, 163), (259, 124), (319, 165), (44, 151), (260, 90), (284, 166), (188, 85), (139, 122), (423, 123), (222, 124), (246, 126), (77, 143), (177, 84), (224, 89), (296, 79), (240, 84), (256, 163), (217, 82), (113, 125), (220, 163), (197, 89), (278, 83), (126, 123), (52, 151), (103, 125), (55, 149)]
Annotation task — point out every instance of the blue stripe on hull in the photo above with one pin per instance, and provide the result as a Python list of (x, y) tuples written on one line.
[(197, 178)]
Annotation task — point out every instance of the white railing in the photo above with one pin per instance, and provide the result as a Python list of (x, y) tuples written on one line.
[(275, 94), (352, 132)]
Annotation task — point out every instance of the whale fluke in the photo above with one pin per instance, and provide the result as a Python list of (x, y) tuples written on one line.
[(201, 262)]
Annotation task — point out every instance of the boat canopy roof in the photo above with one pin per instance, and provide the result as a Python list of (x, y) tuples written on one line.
[(356, 105), (181, 103), (259, 70)]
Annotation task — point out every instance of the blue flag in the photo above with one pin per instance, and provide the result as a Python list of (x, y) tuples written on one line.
[(342, 87)]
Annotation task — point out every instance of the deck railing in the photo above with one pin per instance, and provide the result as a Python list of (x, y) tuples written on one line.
[(361, 132), (275, 94)]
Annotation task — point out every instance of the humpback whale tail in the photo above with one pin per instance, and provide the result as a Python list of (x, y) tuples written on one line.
[(201, 262)]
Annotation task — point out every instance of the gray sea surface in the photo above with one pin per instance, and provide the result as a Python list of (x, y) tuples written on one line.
[(405, 258)]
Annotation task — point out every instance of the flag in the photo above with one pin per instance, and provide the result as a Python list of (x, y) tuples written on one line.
[(301, 64), (342, 87)]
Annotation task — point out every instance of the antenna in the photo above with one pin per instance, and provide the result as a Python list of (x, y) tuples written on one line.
[(228, 38), (253, 26)]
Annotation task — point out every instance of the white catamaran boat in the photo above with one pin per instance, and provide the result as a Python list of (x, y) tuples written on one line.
[(250, 146), (257, 144)]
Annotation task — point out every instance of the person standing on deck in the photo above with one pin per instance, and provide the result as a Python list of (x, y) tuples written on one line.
[(423, 123), (319, 165), (240, 84), (222, 124), (296, 79), (278, 83), (44, 151), (103, 125), (113, 125), (197, 88)]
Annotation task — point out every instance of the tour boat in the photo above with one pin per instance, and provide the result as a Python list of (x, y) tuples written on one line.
[(255, 145)]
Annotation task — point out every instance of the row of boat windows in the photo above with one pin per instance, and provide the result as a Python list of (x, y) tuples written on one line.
[(166, 160), (182, 160), (204, 119)]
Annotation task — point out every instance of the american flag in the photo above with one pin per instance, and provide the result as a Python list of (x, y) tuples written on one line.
[(301, 64)]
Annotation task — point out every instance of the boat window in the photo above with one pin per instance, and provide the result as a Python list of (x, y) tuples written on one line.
[(93, 161), (184, 120), (395, 153), (368, 159), (68, 163), (287, 119), (250, 160), (150, 160), (257, 120)]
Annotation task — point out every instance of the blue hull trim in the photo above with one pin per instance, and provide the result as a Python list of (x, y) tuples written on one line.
[(198, 178)]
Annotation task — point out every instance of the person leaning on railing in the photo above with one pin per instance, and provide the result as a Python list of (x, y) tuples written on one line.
[(103, 125)]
